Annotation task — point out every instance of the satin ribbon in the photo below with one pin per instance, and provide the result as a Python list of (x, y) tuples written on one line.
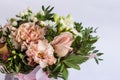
[(36, 74), (30, 76)]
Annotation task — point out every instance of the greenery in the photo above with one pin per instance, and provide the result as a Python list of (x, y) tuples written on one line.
[(82, 46)]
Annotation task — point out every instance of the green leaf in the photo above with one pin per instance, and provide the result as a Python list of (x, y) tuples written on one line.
[(57, 67), (96, 60), (72, 65), (1, 34), (78, 26), (43, 8), (16, 68), (93, 39), (99, 54), (100, 59), (62, 68), (76, 59), (95, 51), (76, 42), (65, 74)]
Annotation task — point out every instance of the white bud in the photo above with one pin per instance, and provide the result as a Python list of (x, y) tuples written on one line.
[(42, 12), (26, 12), (29, 8), (21, 14), (14, 23), (35, 19), (42, 23)]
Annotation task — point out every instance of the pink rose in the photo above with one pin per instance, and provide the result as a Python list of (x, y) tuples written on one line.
[(62, 43)]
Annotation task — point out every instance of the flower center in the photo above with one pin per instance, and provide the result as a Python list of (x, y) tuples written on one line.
[(41, 55)]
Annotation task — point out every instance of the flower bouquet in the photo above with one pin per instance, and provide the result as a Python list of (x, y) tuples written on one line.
[(45, 41)]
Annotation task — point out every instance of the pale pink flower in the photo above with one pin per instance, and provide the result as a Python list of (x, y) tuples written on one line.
[(41, 52), (27, 33), (62, 43)]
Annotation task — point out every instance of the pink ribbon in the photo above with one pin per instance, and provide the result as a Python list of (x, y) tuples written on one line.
[(36, 74), (30, 76)]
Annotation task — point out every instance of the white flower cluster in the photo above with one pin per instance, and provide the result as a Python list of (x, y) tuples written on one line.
[(67, 23)]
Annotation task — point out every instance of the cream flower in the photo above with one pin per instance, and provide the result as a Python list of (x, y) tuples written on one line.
[(67, 23), (62, 43), (41, 52)]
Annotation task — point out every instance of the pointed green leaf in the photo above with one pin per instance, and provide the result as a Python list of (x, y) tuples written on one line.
[(99, 54), (72, 65), (65, 74), (96, 60)]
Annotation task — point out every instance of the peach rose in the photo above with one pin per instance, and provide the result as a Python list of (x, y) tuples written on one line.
[(41, 52), (62, 43)]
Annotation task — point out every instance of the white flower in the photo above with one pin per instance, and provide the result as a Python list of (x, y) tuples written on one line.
[(14, 23), (48, 23), (26, 12), (29, 9), (42, 12), (68, 23), (21, 14), (35, 19)]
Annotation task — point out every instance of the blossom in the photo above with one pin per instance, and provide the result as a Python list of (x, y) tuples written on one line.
[(48, 23), (62, 43), (67, 23), (26, 33), (14, 23), (41, 52)]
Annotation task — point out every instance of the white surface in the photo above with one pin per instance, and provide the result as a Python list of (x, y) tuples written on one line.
[(104, 14)]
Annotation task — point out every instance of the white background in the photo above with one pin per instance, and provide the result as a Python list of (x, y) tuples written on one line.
[(104, 14)]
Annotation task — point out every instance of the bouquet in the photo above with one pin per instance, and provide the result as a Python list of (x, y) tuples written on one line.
[(47, 41)]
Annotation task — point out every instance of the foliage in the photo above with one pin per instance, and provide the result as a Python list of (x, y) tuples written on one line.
[(83, 46)]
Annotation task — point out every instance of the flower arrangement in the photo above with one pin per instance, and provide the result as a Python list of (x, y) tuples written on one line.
[(45, 39)]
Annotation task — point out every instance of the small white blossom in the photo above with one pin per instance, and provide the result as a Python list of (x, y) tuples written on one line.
[(48, 23), (42, 23), (14, 23), (68, 23), (42, 12), (29, 8), (21, 14), (35, 19), (26, 12)]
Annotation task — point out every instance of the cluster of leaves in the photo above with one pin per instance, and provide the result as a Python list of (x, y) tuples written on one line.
[(85, 45), (16, 63), (82, 46), (47, 15)]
